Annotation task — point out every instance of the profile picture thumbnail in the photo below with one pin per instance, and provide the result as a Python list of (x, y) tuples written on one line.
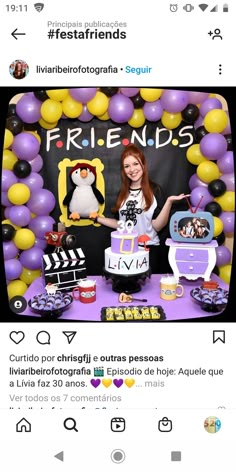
[(19, 69)]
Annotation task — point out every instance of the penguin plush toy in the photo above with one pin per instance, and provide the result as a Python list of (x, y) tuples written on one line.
[(84, 199)]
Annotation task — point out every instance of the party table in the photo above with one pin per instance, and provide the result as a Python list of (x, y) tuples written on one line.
[(183, 308)]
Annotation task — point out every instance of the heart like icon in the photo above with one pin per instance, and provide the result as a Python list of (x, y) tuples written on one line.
[(118, 382), (129, 382), (17, 336), (106, 382), (95, 382)]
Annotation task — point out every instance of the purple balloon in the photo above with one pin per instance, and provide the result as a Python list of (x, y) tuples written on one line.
[(85, 116), (200, 195), (8, 179), (153, 110), (83, 95), (6, 212), (28, 108), (208, 105), (36, 163), (194, 181), (223, 255), (197, 97), (41, 225), (13, 269), (41, 243), (4, 200), (41, 202), (19, 215), (227, 218), (213, 146), (129, 91), (227, 130), (10, 251), (34, 181), (174, 101), (229, 180), (32, 258), (25, 146), (226, 163), (120, 108)]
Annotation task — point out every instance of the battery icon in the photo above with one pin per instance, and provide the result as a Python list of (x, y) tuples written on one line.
[(225, 8)]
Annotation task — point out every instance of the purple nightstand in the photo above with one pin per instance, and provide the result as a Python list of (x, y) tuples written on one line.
[(192, 260)]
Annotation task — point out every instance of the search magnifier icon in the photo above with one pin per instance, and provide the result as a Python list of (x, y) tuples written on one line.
[(70, 423)]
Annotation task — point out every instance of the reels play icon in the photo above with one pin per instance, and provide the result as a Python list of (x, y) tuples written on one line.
[(118, 425)]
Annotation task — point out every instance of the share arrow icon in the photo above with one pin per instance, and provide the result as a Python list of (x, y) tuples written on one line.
[(69, 335)]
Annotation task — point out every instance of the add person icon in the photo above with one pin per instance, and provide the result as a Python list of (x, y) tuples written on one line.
[(19, 69), (217, 34)]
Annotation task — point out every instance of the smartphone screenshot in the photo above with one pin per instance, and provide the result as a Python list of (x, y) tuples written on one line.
[(117, 136)]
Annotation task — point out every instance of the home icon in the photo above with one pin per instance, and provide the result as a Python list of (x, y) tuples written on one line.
[(23, 426)]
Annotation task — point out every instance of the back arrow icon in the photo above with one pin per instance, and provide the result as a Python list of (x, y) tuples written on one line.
[(15, 34)]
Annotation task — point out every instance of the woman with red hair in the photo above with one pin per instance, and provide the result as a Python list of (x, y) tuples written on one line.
[(141, 201)]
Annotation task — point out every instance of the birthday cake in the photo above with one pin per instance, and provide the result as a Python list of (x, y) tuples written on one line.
[(124, 256)]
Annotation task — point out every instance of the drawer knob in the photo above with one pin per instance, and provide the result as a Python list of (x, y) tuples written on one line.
[(190, 267), (191, 254)]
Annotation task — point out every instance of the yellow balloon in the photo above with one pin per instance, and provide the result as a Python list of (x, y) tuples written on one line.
[(18, 194), (99, 104), (194, 155), (16, 287), (208, 171), (8, 139), (215, 121), (104, 117), (171, 120), (225, 272), (28, 276), (58, 95), (71, 107), (24, 238), (218, 226), (137, 119), (8, 222), (44, 124), (226, 201), (150, 94), (8, 159), (51, 110), (35, 134)]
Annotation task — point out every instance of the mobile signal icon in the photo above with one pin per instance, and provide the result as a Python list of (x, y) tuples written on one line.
[(39, 7), (203, 6)]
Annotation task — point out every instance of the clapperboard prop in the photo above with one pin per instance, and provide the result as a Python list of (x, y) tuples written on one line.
[(64, 268)]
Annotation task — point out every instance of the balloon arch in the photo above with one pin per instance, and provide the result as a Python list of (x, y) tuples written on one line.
[(27, 205)]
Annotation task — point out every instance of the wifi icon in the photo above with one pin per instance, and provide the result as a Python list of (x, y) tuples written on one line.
[(203, 6), (39, 6)]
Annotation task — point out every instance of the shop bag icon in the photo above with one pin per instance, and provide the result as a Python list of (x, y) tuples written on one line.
[(165, 425)]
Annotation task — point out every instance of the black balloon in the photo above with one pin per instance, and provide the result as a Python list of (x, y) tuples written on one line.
[(199, 133), (228, 138), (138, 101), (41, 95), (109, 91), (8, 232), (22, 169), (216, 270), (11, 110), (217, 187), (214, 208), (14, 124), (220, 239), (190, 114)]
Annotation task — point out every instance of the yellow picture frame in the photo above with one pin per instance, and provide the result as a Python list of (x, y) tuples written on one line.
[(62, 189)]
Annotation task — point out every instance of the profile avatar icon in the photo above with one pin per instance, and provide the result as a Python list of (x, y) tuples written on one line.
[(19, 69), (212, 424)]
